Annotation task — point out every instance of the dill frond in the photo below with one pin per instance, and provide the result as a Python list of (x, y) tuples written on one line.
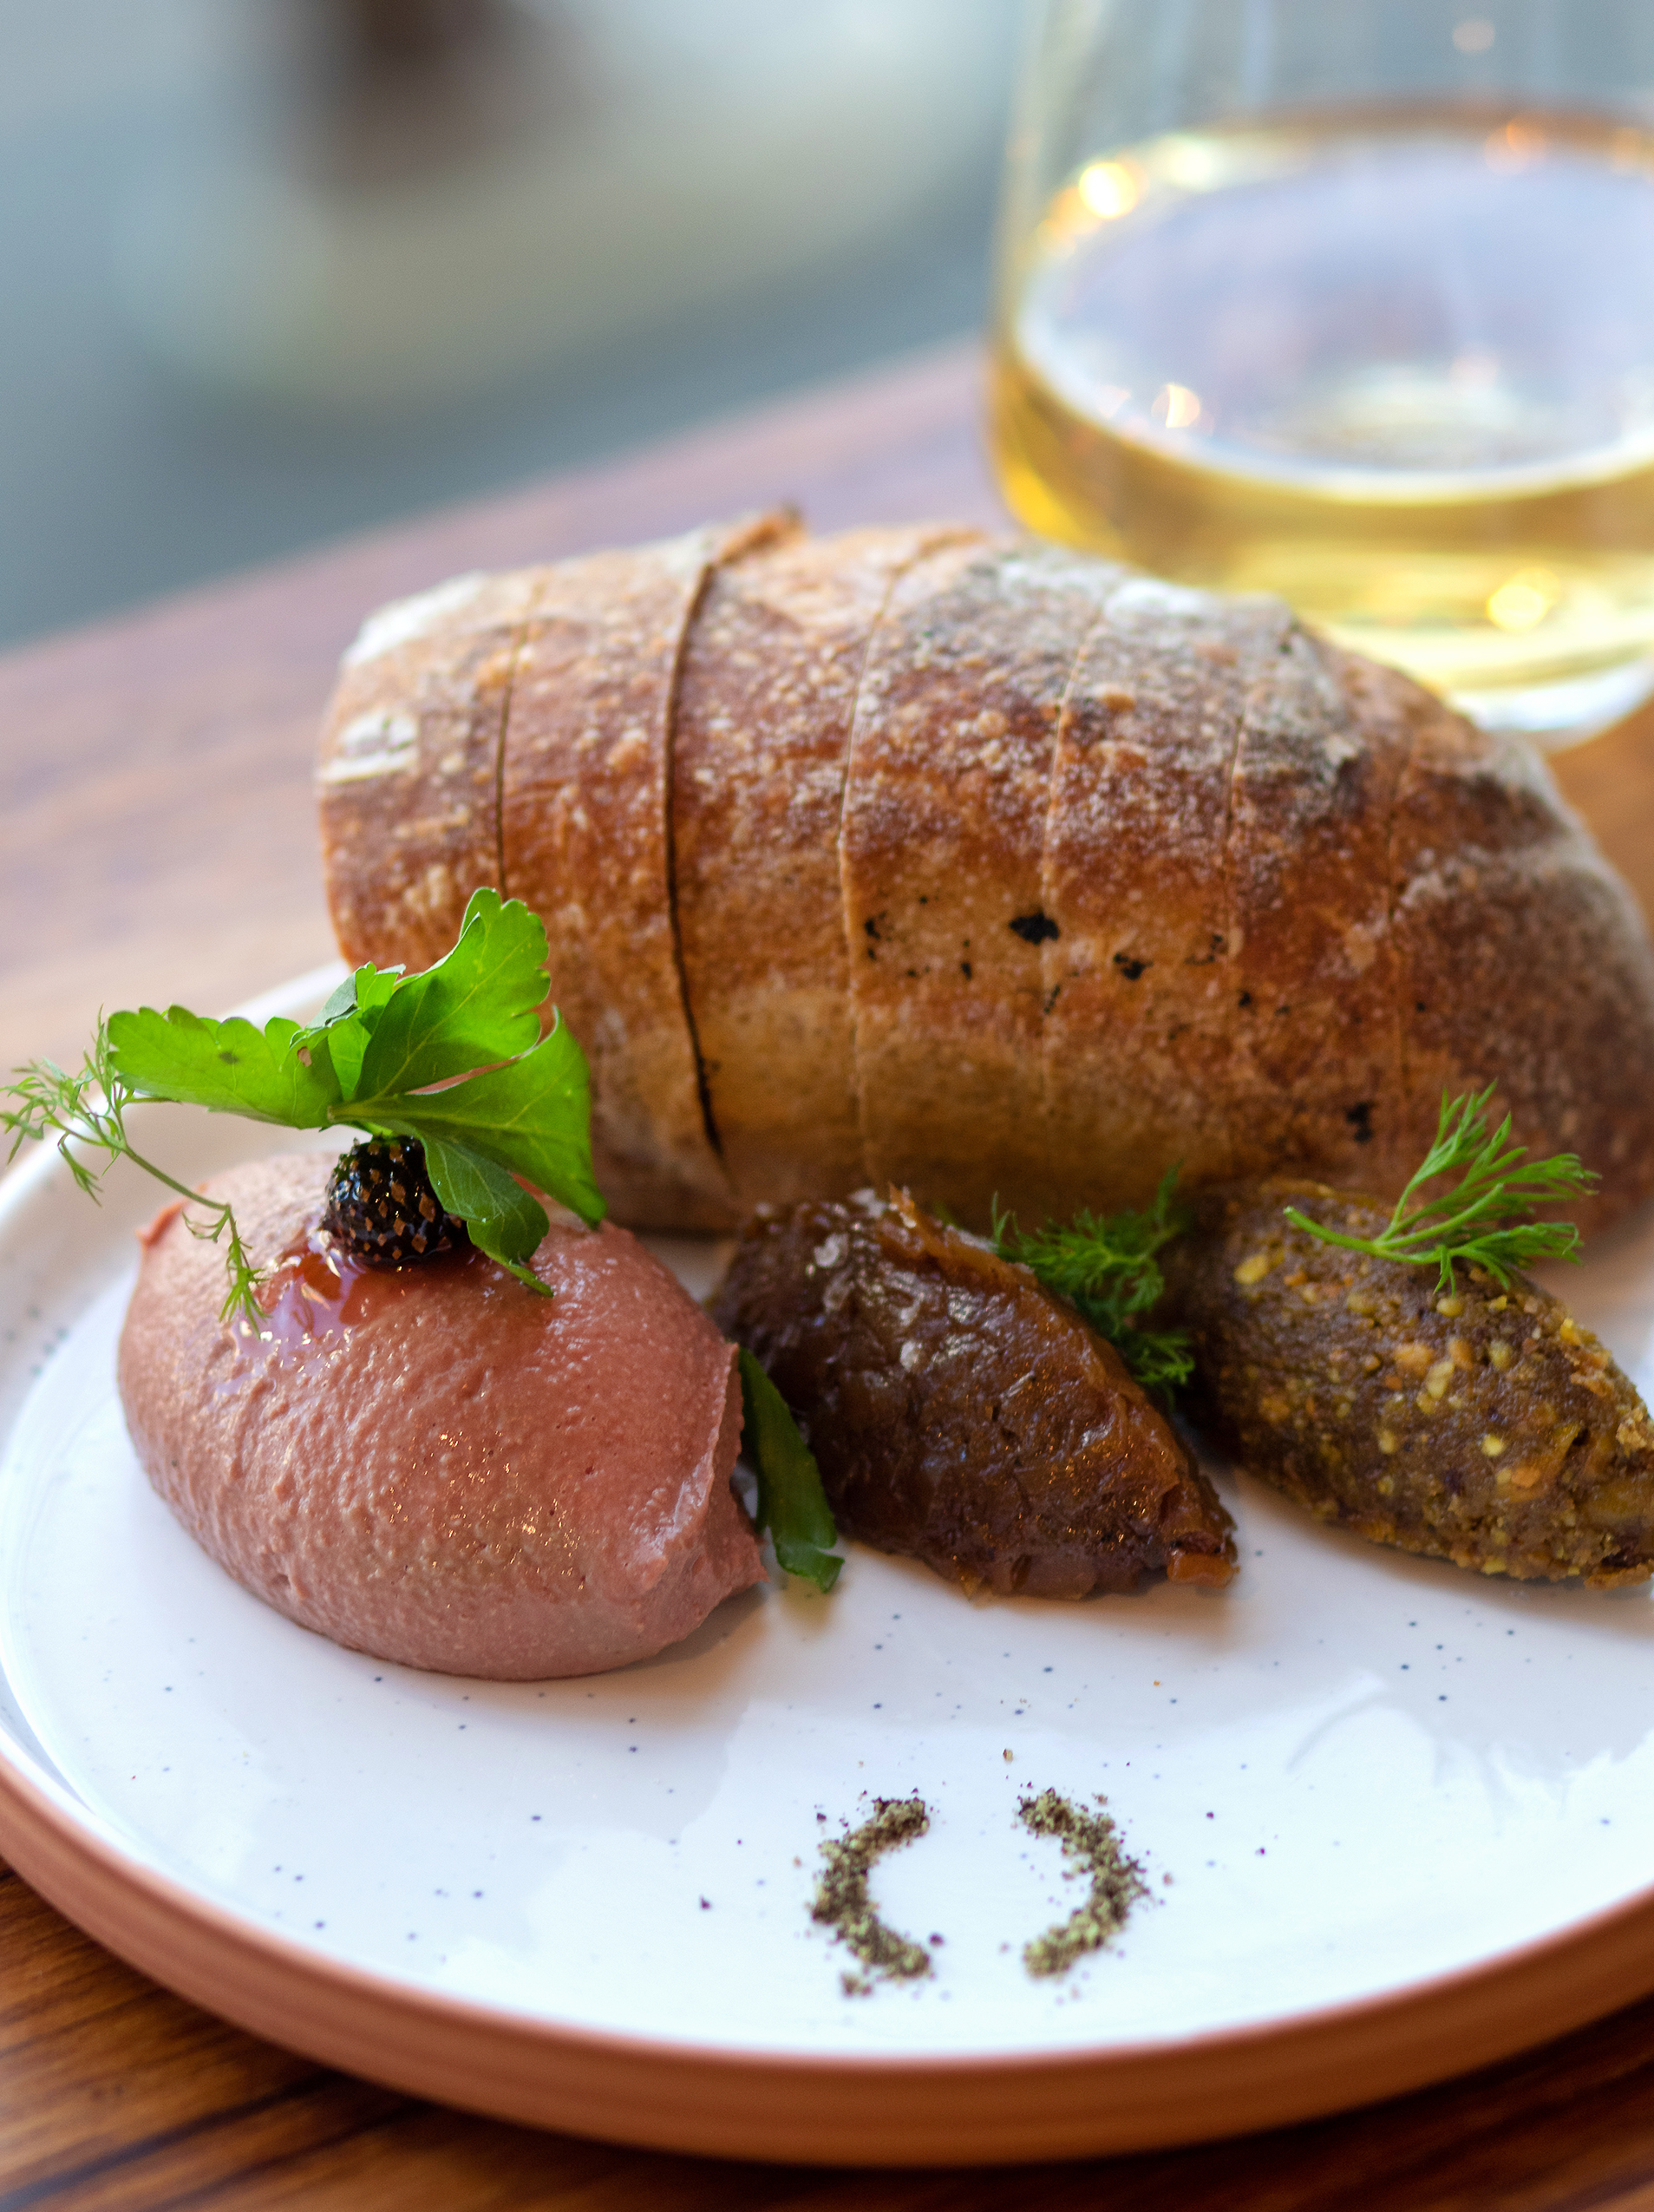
[(85, 1113), (1105, 1265), (1484, 1215)]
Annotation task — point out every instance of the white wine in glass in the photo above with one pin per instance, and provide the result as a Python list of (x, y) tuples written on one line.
[(1367, 322)]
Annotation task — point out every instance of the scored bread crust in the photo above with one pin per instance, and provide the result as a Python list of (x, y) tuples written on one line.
[(1137, 967), (940, 861), (1312, 966), (1523, 959), (765, 700), (1146, 819), (586, 829), (407, 779)]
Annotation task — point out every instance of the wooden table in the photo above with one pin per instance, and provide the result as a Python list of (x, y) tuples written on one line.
[(156, 843)]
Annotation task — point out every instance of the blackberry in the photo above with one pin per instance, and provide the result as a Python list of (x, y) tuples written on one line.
[(382, 1210)]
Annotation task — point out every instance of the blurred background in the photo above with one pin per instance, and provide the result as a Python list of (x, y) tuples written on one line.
[(277, 269)]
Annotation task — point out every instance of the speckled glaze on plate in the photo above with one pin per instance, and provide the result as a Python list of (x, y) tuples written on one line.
[(1394, 1819)]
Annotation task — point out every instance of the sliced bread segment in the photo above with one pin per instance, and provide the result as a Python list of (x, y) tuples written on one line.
[(586, 841), (1140, 992), (1317, 1078), (1523, 959), (766, 698), (407, 777), (944, 826)]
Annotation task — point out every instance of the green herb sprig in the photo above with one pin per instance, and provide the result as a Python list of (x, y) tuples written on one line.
[(452, 1057), (86, 1112), (1106, 1265), (1485, 1216), (792, 1504)]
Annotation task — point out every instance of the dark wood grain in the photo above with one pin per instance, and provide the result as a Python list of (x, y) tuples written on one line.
[(114, 2094), (156, 842)]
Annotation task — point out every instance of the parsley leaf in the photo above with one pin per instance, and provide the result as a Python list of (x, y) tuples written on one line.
[(345, 1019), (1485, 1217), (792, 1504), (479, 1004), (502, 1218), (452, 1056), (530, 1116), (228, 1067)]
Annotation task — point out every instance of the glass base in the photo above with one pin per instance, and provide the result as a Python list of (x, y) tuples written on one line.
[(1558, 715)]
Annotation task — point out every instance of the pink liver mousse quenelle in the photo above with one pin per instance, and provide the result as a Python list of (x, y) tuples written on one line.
[(434, 1465)]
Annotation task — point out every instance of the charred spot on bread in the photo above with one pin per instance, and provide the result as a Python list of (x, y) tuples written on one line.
[(1037, 929)]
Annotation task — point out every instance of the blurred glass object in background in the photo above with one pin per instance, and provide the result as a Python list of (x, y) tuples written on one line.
[(1355, 303), (282, 268), (452, 191)]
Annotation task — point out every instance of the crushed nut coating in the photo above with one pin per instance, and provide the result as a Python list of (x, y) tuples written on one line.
[(1484, 1426)]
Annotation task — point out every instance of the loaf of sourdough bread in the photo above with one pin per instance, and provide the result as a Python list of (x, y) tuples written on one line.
[(984, 867)]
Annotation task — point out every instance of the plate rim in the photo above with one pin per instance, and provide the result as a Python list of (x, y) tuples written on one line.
[(843, 2109)]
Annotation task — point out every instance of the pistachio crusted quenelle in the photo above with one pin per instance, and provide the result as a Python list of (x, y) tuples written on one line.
[(1477, 1422)]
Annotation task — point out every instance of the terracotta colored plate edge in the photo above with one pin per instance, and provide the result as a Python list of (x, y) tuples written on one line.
[(874, 2111)]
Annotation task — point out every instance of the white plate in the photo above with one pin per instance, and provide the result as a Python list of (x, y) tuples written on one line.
[(1360, 1786)]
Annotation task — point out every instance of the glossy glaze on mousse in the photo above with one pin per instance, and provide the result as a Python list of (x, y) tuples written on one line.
[(432, 1464)]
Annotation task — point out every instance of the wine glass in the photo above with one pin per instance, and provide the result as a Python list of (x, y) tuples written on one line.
[(1352, 302)]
